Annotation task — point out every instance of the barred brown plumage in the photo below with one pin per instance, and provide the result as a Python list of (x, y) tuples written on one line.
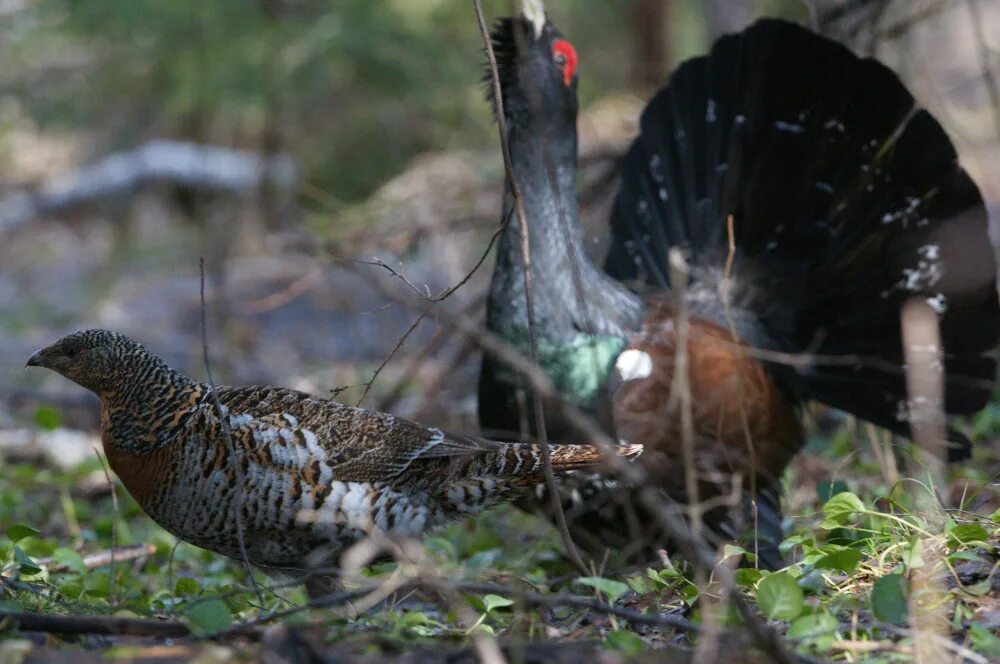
[(316, 474)]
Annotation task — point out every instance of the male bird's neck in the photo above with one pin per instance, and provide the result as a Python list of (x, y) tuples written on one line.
[(582, 317), (571, 296)]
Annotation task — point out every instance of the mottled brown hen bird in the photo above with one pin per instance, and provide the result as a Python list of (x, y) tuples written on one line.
[(314, 474)]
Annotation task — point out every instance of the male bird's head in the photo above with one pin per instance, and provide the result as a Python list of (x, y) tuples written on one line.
[(95, 359), (537, 69)]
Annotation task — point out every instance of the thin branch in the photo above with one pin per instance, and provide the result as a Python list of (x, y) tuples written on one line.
[(286, 295), (418, 360), (399, 344), (228, 434), (103, 558), (433, 299), (522, 219), (725, 293), (680, 386), (114, 524)]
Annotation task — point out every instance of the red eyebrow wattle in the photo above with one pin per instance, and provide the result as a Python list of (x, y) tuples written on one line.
[(565, 49)]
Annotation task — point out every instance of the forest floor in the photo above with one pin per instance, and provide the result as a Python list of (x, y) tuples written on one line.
[(864, 564)]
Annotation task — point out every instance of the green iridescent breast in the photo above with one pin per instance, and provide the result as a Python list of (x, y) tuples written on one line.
[(578, 367)]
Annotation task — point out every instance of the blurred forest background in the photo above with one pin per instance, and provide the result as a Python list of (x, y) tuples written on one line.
[(349, 129), (287, 141)]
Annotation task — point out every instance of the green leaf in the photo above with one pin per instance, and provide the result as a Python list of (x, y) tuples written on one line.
[(984, 642), (47, 418), (817, 631), (662, 578), (97, 584), (491, 602), (639, 584), (746, 577), (995, 517), (839, 509), (889, 599), (611, 589), (966, 533), (70, 559), (20, 531), (730, 550), (209, 617), (779, 597), (964, 556), (979, 589), (186, 586), (25, 564), (844, 560), (625, 642)]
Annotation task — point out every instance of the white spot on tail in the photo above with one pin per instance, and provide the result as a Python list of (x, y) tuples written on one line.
[(790, 127), (634, 364), (939, 303)]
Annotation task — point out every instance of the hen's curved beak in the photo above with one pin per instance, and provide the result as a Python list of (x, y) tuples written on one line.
[(36, 359)]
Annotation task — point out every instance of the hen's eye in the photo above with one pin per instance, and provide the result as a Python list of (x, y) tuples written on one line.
[(561, 60)]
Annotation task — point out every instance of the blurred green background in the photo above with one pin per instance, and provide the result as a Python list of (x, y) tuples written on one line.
[(353, 88)]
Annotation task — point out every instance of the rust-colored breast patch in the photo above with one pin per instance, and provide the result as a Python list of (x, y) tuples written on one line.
[(142, 474), (743, 421)]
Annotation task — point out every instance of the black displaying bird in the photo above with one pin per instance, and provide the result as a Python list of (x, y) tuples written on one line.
[(810, 197)]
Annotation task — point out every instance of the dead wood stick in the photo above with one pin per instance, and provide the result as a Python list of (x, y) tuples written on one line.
[(103, 558), (50, 624)]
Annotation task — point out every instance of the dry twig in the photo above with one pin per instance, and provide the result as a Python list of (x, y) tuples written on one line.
[(522, 219), (115, 625), (228, 434)]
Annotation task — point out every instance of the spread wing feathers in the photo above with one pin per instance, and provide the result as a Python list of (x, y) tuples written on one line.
[(290, 430), (846, 200)]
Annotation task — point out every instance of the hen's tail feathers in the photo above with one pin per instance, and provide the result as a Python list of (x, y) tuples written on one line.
[(845, 200), (524, 460)]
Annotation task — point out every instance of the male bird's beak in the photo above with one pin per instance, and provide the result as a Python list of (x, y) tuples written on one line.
[(35, 360)]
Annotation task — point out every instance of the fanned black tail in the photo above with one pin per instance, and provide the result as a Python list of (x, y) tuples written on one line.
[(845, 199)]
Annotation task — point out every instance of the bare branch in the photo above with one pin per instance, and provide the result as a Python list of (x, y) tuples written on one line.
[(228, 434), (114, 521), (113, 625), (522, 219), (103, 558)]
